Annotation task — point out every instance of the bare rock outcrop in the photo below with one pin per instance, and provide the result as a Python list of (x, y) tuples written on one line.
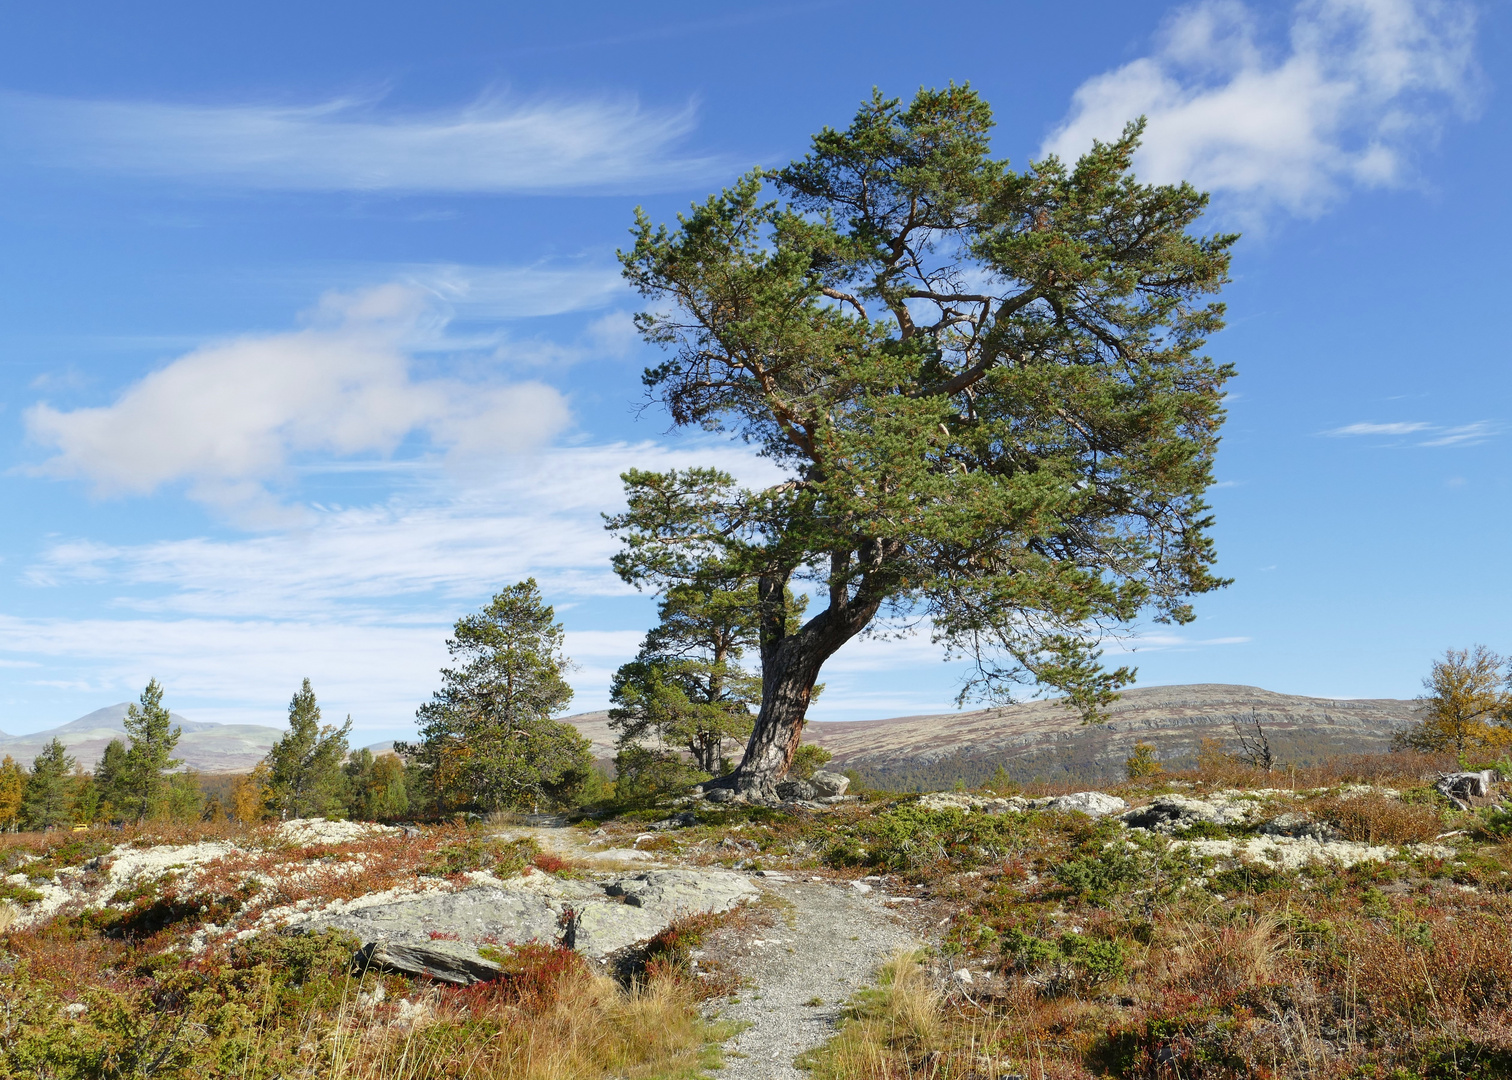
[(447, 935)]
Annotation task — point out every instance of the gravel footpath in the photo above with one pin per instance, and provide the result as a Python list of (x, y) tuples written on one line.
[(831, 946)]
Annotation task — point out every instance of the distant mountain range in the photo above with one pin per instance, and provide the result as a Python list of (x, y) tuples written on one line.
[(211, 748), (1038, 739)]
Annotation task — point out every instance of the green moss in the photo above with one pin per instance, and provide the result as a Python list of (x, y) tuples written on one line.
[(18, 894)]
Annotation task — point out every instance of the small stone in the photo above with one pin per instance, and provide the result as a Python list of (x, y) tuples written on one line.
[(676, 821), (962, 976), (861, 886), (720, 795)]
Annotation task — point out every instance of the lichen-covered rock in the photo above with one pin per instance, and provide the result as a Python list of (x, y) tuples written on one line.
[(676, 821), (1291, 853), (797, 791), (1091, 803), (953, 800), (829, 785), (680, 891), (1299, 825), (439, 934), (1170, 813)]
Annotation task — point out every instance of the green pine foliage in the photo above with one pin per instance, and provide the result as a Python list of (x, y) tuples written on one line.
[(986, 387), (48, 799), (809, 759), (305, 778), (110, 781), (686, 689), (143, 784), (487, 740)]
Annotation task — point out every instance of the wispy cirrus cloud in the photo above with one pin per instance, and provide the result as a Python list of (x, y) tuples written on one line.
[(437, 541), (492, 145), (1419, 432), (1358, 87)]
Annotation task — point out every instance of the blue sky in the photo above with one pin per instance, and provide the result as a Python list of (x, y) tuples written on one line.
[(311, 335)]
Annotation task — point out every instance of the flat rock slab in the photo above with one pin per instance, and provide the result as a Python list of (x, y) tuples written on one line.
[(439, 934)]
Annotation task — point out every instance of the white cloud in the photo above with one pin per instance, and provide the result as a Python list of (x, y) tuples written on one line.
[(1359, 86), (1366, 428), (492, 145), (440, 541), (1464, 434), (1435, 435), (511, 292), (227, 417), (235, 671)]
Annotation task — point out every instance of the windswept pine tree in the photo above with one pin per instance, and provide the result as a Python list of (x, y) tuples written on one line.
[(686, 691), (48, 799), (986, 388)]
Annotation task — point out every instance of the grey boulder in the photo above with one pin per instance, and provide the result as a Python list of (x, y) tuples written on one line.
[(797, 791), (1172, 812), (829, 785)]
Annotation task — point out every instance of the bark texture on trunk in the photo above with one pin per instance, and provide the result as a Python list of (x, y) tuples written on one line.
[(790, 666), (774, 739)]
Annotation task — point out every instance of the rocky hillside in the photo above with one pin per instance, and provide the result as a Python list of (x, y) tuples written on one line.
[(1042, 739)]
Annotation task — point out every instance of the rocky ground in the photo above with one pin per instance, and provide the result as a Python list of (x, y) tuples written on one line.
[(826, 941), (812, 895)]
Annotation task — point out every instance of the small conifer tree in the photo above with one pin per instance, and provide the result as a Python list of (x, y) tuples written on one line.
[(1141, 763), (12, 791), (49, 797), (304, 767), (144, 779), (487, 739)]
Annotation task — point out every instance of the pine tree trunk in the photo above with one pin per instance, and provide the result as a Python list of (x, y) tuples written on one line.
[(787, 683), (789, 668)]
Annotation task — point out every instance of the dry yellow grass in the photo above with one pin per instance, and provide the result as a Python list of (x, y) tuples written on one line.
[(589, 1027)]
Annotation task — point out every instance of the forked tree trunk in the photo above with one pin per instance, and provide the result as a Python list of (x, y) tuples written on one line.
[(785, 694), (789, 668)]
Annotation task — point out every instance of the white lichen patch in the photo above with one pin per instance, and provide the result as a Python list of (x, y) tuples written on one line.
[(1293, 853), (308, 832), (128, 864)]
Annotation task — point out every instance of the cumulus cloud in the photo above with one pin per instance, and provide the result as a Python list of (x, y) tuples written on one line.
[(1358, 86), (492, 145), (1428, 434), (227, 417)]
